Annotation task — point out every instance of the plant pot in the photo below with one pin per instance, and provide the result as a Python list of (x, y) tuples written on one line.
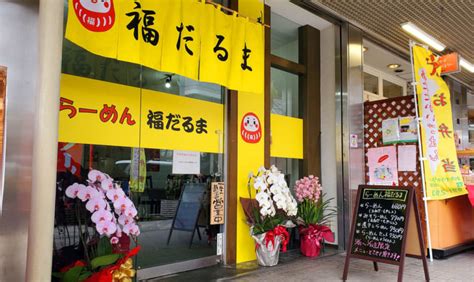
[(268, 253), (310, 246)]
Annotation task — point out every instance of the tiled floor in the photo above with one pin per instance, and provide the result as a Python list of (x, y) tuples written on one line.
[(459, 267)]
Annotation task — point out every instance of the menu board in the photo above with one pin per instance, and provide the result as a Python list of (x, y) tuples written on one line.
[(380, 223), (379, 227)]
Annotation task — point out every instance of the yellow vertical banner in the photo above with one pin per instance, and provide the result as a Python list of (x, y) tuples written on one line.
[(442, 175), (141, 26), (236, 52), (253, 56), (253, 9), (182, 39), (216, 46), (251, 116), (93, 26)]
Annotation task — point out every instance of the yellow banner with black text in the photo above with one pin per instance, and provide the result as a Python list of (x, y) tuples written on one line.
[(186, 37), (442, 175), (103, 113)]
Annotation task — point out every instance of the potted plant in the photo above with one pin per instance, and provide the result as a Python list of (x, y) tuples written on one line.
[(269, 213), (101, 204), (313, 215)]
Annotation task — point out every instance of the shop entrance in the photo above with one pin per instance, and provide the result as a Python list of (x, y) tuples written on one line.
[(169, 178)]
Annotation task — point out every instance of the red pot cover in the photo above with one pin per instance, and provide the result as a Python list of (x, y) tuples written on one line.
[(310, 246)]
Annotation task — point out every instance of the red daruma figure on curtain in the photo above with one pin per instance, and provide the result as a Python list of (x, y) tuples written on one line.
[(250, 128), (95, 15)]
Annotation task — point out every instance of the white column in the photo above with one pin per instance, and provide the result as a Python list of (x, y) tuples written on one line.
[(41, 225)]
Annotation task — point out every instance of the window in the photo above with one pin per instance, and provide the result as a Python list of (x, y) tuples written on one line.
[(380, 85)]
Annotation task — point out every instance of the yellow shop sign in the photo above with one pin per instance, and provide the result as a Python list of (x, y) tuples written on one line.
[(103, 113), (186, 37)]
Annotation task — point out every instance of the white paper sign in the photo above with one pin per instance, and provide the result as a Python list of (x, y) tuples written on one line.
[(407, 158), (186, 162), (390, 131)]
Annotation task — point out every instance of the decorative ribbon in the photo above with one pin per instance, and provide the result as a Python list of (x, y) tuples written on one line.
[(272, 234), (318, 232), (125, 272), (121, 271)]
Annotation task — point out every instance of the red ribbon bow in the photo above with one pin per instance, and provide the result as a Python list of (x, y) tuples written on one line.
[(277, 231), (318, 232)]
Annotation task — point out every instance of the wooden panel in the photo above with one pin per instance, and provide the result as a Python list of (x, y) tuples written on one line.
[(310, 104), (268, 97), (231, 200), (374, 113), (287, 65)]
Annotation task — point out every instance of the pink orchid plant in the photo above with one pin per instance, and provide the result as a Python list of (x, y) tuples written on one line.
[(312, 208), (111, 210)]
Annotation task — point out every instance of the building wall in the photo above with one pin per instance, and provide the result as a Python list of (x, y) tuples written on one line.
[(18, 52)]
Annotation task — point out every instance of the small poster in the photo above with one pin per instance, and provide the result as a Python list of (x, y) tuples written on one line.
[(217, 203), (382, 163), (390, 131), (407, 158), (186, 162), (408, 129)]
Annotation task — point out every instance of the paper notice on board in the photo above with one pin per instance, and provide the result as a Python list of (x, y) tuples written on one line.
[(407, 158), (390, 131), (186, 162), (382, 163)]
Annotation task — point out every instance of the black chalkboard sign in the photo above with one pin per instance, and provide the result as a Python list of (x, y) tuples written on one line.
[(188, 210), (380, 223), (379, 226)]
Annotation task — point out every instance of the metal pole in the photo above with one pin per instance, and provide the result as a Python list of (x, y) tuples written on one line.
[(422, 158)]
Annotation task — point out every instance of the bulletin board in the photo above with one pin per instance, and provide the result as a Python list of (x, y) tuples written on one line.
[(374, 113)]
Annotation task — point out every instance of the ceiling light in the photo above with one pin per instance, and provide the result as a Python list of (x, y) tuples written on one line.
[(168, 81), (365, 49), (393, 66), (423, 36), (465, 64)]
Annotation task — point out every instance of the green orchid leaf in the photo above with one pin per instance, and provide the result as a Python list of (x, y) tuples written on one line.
[(72, 275), (104, 260), (104, 247)]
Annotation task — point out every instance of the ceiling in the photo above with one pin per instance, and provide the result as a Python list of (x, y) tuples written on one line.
[(449, 21), (379, 58)]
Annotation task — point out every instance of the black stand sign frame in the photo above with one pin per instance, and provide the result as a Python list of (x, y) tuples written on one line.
[(411, 202)]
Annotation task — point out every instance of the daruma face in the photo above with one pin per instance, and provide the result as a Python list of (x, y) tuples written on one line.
[(98, 6), (95, 15), (251, 123), (250, 128)]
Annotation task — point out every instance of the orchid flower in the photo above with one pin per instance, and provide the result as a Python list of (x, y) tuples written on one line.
[(86, 193), (96, 204), (106, 228), (107, 184), (114, 240), (95, 175), (115, 194), (124, 219), (72, 190), (101, 216), (122, 204)]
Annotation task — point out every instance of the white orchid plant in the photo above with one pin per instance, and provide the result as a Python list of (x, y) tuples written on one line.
[(275, 202)]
